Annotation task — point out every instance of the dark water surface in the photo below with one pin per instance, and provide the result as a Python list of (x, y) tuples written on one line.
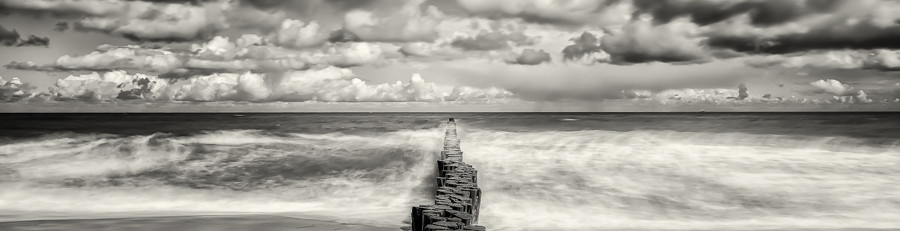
[(539, 171)]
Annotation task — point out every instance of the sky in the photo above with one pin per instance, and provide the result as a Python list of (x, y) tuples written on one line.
[(449, 55)]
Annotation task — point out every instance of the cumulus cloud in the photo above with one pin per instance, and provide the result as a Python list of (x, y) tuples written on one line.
[(718, 96), (494, 40), (850, 98), (220, 54), (137, 20), (328, 6), (253, 50), (532, 57), (832, 86), (556, 81), (283, 58), (409, 23), (417, 49), (330, 84), (128, 57), (14, 89), (640, 41), (761, 12), (870, 24), (66, 7), (742, 92), (586, 50), (689, 95), (160, 22), (345, 55), (879, 59), (437, 51), (863, 97), (297, 34), (109, 86), (12, 38), (597, 12), (465, 93), (250, 18), (108, 57), (342, 35)]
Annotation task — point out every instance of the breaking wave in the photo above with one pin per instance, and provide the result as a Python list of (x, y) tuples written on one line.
[(366, 179), (532, 180), (668, 180)]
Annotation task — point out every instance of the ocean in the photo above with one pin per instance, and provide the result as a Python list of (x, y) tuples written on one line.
[(538, 171)]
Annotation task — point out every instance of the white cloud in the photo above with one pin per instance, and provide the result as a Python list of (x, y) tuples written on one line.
[(224, 86), (407, 24), (111, 85), (689, 96), (331, 84), (464, 93), (144, 21), (832, 86), (219, 54), (345, 54), (297, 34), (108, 57), (556, 80), (863, 97), (13, 89), (836, 59)]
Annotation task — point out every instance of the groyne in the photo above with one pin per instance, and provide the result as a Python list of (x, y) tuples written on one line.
[(458, 198)]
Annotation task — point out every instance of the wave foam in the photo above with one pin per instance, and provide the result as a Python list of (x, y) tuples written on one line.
[(371, 179), (658, 180)]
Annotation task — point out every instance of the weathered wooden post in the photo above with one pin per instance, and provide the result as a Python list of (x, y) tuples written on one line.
[(458, 198)]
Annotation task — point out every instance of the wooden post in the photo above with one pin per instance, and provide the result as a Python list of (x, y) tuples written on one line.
[(458, 198)]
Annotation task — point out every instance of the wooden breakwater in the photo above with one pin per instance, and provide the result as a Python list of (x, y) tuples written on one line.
[(458, 198)]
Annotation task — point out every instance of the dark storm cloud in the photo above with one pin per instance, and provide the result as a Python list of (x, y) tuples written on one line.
[(343, 5), (188, 73), (761, 12), (156, 26), (61, 26), (585, 44), (640, 41), (60, 9), (30, 66), (135, 20), (565, 13), (192, 2), (532, 57), (862, 36), (34, 41), (491, 41), (342, 35), (12, 38), (841, 25), (8, 37)]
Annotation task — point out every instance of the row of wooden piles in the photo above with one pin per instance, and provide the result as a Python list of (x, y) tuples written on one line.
[(458, 197)]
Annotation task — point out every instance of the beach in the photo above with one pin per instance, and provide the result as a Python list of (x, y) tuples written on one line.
[(186, 223)]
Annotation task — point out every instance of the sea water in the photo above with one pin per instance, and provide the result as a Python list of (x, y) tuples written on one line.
[(538, 171)]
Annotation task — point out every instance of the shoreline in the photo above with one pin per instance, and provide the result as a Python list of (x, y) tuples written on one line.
[(256, 222)]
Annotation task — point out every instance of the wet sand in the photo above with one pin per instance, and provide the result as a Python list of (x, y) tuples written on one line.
[(186, 223)]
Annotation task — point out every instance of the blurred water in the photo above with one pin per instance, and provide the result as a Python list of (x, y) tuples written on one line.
[(538, 171)]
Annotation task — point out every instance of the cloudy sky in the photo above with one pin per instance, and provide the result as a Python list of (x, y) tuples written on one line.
[(449, 55)]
